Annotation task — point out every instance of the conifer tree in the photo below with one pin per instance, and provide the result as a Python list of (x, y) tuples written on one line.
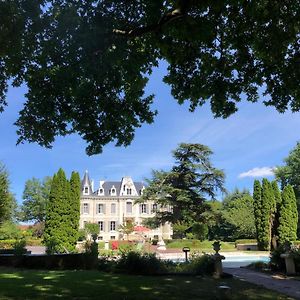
[(278, 200), (258, 213), (268, 212), (57, 224), (74, 207), (7, 200), (288, 219)]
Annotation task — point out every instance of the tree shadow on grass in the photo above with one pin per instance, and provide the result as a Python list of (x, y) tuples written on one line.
[(82, 285)]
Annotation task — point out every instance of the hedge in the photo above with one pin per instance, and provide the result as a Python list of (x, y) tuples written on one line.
[(6, 244), (57, 261)]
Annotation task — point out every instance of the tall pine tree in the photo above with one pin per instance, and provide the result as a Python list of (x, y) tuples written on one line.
[(74, 207), (288, 219)]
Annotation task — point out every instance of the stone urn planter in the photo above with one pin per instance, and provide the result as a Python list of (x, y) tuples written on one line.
[(289, 263), (218, 260)]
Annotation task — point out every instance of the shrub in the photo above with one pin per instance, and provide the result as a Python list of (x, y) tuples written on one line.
[(276, 262), (9, 230), (91, 248), (142, 264), (81, 235), (20, 247), (201, 264), (7, 244), (52, 246)]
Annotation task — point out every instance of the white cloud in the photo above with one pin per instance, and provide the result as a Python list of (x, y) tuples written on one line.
[(258, 172)]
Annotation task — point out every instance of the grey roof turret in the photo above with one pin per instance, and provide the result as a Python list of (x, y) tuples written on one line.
[(86, 183)]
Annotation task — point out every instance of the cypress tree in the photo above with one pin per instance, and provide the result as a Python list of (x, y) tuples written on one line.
[(57, 224), (74, 207), (257, 212), (278, 200), (268, 213), (288, 219)]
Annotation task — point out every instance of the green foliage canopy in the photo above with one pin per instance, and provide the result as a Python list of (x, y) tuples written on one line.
[(86, 63), (35, 197), (238, 211), (7, 200)]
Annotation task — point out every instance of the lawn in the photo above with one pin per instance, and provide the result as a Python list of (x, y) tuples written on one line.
[(79, 285)]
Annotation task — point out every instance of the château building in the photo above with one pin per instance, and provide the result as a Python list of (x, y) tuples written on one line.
[(113, 204)]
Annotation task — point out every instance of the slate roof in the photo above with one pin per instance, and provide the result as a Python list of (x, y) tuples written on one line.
[(86, 181), (107, 186)]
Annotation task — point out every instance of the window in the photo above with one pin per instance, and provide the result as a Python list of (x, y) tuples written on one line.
[(84, 223), (124, 187), (113, 225), (129, 207), (113, 191), (143, 208), (129, 191), (112, 237), (101, 192), (85, 208), (101, 208), (101, 225), (86, 190), (154, 208), (113, 209), (100, 238)]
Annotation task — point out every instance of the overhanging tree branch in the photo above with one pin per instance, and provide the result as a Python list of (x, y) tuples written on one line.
[(165, 19)]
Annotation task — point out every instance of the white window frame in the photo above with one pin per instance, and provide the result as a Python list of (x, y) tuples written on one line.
[(113, 225), (101, 225), (85, 208), (100, 211), (143, 208)]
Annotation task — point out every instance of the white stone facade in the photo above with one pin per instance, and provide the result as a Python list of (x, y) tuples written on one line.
[(113, 203)]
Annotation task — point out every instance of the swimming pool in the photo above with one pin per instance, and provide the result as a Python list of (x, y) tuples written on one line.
[(235, 261), (243, 260)]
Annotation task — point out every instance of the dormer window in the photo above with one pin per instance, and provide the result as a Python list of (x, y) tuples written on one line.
[(113, 191), (86, 190), (101, 191)]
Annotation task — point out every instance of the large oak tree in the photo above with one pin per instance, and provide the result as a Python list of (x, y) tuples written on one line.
[(86, 63)]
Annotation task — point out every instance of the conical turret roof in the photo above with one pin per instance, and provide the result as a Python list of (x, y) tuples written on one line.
[(86, 182)]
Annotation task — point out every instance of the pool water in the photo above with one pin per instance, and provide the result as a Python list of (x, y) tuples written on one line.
[(242, 261), (236, 261)]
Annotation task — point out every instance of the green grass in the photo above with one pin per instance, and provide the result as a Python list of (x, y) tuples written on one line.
[(198, 245), (83, 285)]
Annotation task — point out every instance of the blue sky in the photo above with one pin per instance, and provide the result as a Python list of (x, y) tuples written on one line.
[(255, 137)]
